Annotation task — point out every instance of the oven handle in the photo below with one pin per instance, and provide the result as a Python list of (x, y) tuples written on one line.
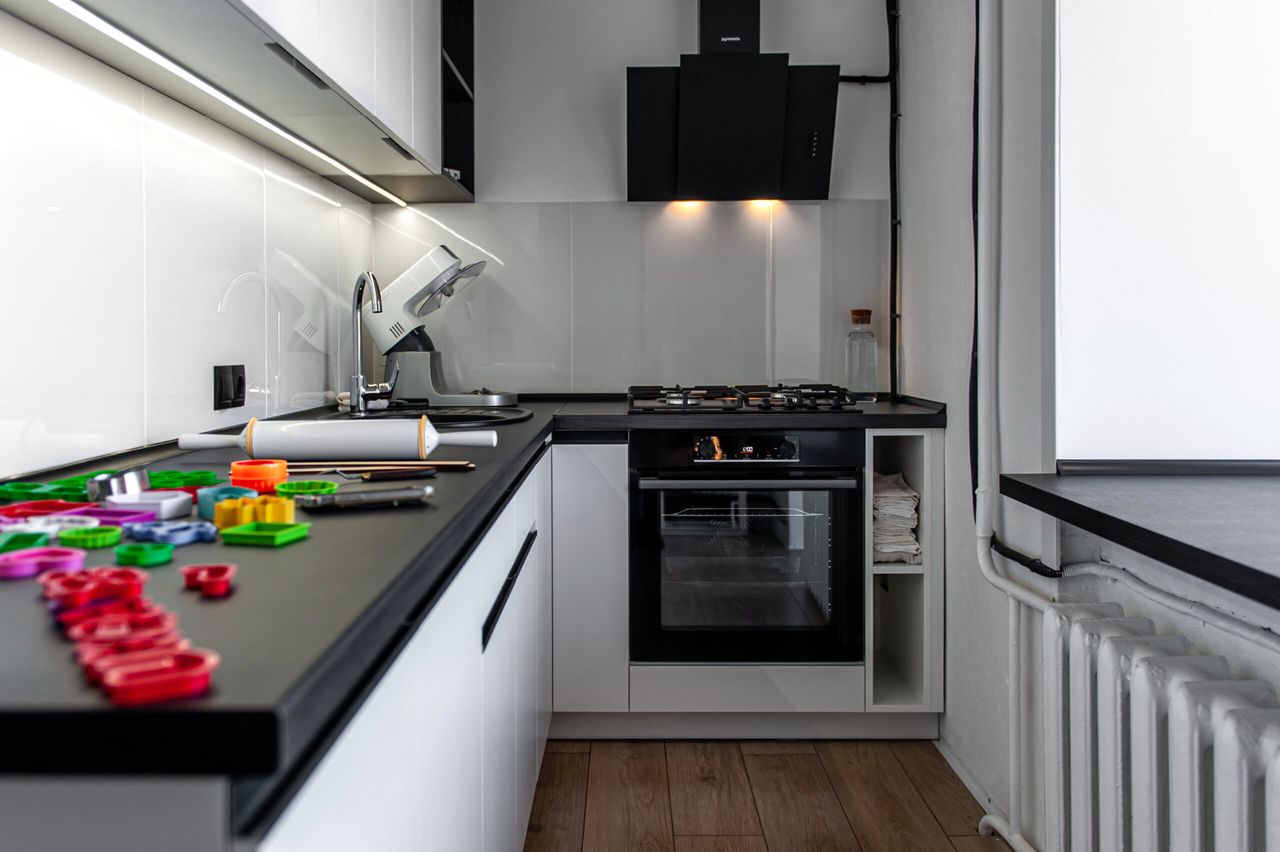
[(655, 484)]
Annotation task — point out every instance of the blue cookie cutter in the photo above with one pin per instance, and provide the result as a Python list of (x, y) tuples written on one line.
[(176, 533), (207, 498)]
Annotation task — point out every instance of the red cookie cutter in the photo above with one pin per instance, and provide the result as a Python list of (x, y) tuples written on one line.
[(68, 617), (79, 588), (112, 627), (107, 657), (35, 508), (178, 675), (213, 581)]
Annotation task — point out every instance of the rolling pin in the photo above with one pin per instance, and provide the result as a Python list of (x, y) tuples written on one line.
[(305, 440)]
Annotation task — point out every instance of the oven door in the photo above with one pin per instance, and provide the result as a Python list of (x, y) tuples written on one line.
[(755, 570)]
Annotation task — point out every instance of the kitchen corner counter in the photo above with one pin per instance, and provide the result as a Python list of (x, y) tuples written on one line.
[(310, 629), (1221, 529)]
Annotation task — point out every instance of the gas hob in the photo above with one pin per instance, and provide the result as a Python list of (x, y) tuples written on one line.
[(789, 399)]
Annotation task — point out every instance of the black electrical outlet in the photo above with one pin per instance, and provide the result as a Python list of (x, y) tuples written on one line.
[(228, 386)]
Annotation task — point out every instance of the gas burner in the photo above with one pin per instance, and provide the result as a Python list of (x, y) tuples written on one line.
[(790, 399)]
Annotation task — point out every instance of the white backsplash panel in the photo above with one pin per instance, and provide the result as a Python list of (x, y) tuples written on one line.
[(150, 244), (593, 297)]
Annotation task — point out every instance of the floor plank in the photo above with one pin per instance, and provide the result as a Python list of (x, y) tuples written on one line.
[(955, 810), (710, 793), (887, 813), (777, 747), (978, 844), (568, 746), (721, 844), (628, 803), (559, 804), (798, 808)]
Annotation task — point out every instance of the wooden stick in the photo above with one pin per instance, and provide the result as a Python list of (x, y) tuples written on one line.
[(348, 465)]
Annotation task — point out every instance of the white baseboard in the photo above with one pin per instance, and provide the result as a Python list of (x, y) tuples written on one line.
[(734, 726), (967, 778)]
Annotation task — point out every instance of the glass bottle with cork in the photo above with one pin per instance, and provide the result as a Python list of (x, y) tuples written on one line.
[(860, 355)]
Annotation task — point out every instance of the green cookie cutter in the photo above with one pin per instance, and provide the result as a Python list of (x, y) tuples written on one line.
[(144, 554), (91, 538), (260, 534), (305, 486)]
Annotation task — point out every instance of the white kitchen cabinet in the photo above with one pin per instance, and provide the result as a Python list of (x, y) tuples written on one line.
[(589, 507), (393, 67), (416, 742), (425, 94), (297, 22), (348, 46), (444, 753)]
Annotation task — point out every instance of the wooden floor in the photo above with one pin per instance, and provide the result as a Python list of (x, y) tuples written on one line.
[(763, 796)]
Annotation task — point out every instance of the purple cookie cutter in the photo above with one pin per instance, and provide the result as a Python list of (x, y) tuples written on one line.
[(114, 517)]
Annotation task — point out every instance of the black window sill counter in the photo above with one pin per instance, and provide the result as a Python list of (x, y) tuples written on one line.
[(309, 630), (1221, 529)]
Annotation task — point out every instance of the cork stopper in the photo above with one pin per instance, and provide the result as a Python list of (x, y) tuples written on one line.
[(860, 316)]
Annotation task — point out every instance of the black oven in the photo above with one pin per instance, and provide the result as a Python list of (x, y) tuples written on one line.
[(746, 547)]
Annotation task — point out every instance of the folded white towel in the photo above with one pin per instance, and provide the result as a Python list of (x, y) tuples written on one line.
[(893, 489)]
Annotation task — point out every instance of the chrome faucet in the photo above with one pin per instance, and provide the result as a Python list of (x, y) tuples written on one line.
[(360, 392)]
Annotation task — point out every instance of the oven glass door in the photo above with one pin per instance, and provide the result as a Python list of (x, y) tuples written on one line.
[(746, 571)]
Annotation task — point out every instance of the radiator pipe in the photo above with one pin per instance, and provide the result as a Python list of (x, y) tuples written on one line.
[(1237, 627)]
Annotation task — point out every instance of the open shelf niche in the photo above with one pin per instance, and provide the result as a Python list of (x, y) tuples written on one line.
[(904, 601)]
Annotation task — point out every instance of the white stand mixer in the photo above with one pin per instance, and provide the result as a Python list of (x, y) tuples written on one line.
[(399, 334)]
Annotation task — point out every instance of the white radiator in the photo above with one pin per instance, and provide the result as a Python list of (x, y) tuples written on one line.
[(1149, 747)]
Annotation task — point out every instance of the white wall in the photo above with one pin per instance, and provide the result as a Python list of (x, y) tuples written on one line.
[(551, 88), (1169, 295), (593, 297), (124, 218), (938, 292), (586, 292)]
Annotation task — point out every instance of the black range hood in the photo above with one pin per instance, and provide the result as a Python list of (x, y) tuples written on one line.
[(730, 123)]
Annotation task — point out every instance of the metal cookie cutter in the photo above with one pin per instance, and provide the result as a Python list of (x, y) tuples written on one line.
[(176, 533), (166, 504), (104, 485)]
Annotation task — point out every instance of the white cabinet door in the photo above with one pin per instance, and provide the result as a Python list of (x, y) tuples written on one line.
[(589, 509), (297, 22), (393, 71), (498, 759), (348, 35), (546, 535), (426, 93), (524, 602)]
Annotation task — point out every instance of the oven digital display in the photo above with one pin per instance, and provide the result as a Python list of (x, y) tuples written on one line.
[(746, 448)]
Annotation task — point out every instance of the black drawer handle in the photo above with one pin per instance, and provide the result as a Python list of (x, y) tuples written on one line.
[(500, 603)]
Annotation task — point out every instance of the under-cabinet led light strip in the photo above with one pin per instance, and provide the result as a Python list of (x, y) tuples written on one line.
[(118, 35)]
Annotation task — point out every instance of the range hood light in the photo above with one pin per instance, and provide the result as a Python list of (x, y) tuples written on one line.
[(121, 37)]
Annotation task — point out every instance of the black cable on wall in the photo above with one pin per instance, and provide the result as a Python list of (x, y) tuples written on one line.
[(892, 15), (1032, 564)]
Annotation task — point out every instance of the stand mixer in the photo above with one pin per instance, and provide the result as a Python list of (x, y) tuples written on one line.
[(399, 334)]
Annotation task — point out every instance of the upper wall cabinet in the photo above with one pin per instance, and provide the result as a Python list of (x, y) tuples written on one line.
[(350, 89)]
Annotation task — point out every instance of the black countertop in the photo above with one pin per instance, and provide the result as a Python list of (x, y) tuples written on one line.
[(310, 628), (1221, 529)]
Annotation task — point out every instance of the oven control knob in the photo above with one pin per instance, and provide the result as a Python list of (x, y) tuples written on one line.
[(785, 449), (706, 449)]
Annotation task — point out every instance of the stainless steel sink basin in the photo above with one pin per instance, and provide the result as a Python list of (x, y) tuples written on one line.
[(450, 417)]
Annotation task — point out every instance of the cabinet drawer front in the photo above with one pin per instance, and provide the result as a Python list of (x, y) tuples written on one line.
[(747, 689)]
